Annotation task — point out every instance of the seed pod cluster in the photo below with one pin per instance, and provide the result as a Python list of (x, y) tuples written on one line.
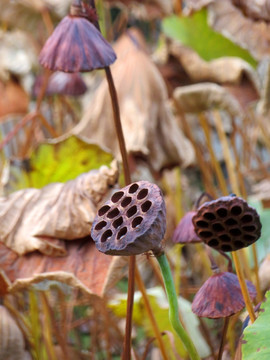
[(132, 222), (227, 224)]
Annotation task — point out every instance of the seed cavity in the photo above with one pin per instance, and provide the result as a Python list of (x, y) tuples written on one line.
[(235, 232), (126, 201), (100, 225), (117, 196), (222, 212), (213, 242), (146, 206), (238, 244), (236, 210), (218, 227), (224, 237), (134, 187), (136, 221), (250, 228), (118, 222), (226, 247), (103, 210), (202, 224), (122, 232), (142, 194), (247, 218), (230, 222), (209, 216), (248, 237), (113, 213), (132, 211), (106, 235), (205, 234)]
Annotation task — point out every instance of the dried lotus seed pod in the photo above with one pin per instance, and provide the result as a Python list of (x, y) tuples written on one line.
[(227, 224), (132, 222)]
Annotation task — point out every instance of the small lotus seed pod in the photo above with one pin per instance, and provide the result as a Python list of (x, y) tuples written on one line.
[(227, 224), (184, 232), (221, 296), (132, 222)]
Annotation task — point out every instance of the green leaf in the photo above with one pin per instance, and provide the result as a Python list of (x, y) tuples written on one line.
[(58, 162), (193, 31), (256, 343)]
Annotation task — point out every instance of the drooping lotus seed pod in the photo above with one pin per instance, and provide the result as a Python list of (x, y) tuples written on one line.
[(76, 45), (184, 232), (227, 224), (221, 296), (132, 222)]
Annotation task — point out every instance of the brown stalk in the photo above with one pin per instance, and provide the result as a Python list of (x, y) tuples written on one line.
[(223, 338), (235, 188), (157, 332)]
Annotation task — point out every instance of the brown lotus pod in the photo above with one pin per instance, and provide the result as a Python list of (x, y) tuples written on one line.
[(221, 296), (227, 224), (76, 45), (184, 232), (132, 222)]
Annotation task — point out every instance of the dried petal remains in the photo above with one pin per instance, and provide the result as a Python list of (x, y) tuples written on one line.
[(227, 224), (132, 222)]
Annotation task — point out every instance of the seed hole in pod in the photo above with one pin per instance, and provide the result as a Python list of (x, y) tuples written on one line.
[(142, 194), (248, 237), (117, 196), (226, 247), (106, 235), (205, 234), (122, 232), (236, 210), (235, 232), (100, 225), (250, 228), (136, 221), (103, 210), (247, 218), (230, 222), (202, 224), (134, 187), (209, 216), (146, 206), (238, 244), (222, 212), (126, 201), (132, 211), (113, 213), (224, 237), (217, 227), (213, 242), (118, 222)]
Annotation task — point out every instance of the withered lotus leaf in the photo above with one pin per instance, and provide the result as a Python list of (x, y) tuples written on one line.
[(42, 219), (220, 296), (83, 267), (12, 343), (76, 46), (151, 131)]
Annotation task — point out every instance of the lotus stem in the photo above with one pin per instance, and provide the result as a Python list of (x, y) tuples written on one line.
[(173, 308)]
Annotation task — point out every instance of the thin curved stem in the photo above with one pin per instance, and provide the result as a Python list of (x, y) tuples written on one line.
[(173, 308)]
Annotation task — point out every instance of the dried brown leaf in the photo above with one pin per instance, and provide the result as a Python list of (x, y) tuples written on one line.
[(252, 35), (149, 126), (83, 267), (41, 219), (255, 9), (13, 99)]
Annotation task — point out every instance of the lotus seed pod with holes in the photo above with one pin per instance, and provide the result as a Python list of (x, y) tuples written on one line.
[(227, 224), (132, 222)]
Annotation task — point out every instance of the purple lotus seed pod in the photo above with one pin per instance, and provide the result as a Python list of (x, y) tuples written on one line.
[(227, 224), (132, 222), (184, 232)]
